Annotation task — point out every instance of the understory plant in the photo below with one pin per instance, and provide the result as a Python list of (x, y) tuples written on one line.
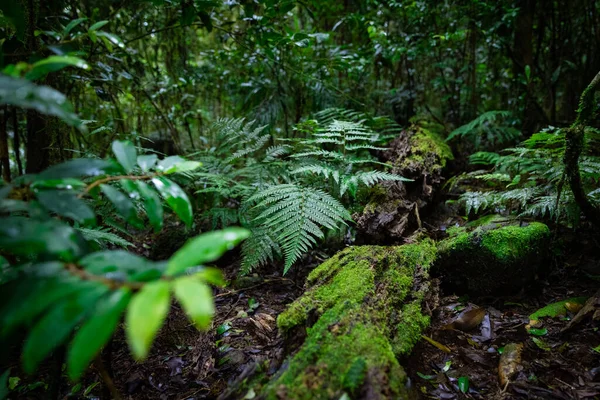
[(290, 191), (68, 294)]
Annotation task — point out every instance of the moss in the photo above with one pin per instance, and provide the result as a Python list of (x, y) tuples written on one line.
[(322, 369), (425, 143), (367, 301), (489, 259), (556, 309)]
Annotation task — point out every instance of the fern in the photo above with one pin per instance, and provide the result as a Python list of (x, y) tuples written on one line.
[(259, 249), (103, 237), (296, 215), (487, 130)]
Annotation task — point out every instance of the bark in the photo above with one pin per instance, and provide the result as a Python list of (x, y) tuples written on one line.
[(393, 208), (4, 160)]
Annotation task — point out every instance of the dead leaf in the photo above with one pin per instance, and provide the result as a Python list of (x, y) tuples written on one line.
[(510, 360), (440, 346), (467, 320)]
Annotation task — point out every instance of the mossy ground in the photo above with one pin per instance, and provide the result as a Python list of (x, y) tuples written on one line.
[(486, 260), (427, 144), (368, 304)]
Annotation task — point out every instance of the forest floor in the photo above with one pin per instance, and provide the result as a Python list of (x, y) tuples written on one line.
[(244, 341), (185, 364)]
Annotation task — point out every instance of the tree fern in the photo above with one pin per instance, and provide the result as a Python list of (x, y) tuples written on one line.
[(488, 129), (261, 248), (296, 215)]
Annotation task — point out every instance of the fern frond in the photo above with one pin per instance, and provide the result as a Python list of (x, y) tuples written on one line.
[(259, 249), (296, 215), (103, 237)]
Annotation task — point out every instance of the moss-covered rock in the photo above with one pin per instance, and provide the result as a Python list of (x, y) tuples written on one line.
[(492, 257), (390, 213), (361, 312)]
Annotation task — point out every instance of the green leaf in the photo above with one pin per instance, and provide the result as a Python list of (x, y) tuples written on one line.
[(147, 161), (152, 204), (120, 265), (97, 25), (112, 38), (61, 184), (68, 205), (205, 248), (175, 198), (4, 384), (188, 13), (125, 153), (463, 384), (76, 168), (426, 377), (145, 315), (56, 325), (72, 25), (95, 332), (22, 93), (538, 332), (183, 167), (541, 343), (224, 327), (52, 64), (124, 206), (24, 236), (167, 163), (196, 299)]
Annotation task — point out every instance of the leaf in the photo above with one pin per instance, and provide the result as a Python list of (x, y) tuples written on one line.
[(126, 154), (61, 184), (447, 366), (112, 38), (152, 204), (426, 377), (169, 162), (24, 236), (147, 161), (76, 168), (224, 327), (22, 93), (175, 198), (71, 25), (4, 384), (468, 320), (124, 206), (537, 332), (118, 264), (510, 360), (97, 25), (183, 166), (205, 248), (52, 64), (145, 315), (96, 331), (540, 343), (68, 205), (56, 325), (437, 344), (463, 384), (196, 299)]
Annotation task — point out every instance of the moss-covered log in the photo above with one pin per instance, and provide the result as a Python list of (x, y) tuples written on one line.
[(489, 258), (393, 208), (362, 311)]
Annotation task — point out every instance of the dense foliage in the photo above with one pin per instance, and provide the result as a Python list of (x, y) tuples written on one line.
[(260, 121)]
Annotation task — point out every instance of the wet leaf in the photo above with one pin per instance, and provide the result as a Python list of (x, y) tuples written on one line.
[(52, 64), (176, 198), (152, 204), (67, 204), (145, 315), (468, 320), (126, 154), (224, 327), (205, 248), (447, 366), (147, 161), (463, 384), (557, 309), (510, 360), (60, 184), (76, 168), (122, 203)]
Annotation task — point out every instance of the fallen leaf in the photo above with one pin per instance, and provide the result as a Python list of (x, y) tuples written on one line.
[(440, 346), (510, 360), (468, 320)]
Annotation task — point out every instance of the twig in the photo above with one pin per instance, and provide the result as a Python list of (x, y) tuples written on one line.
[(107, 379), (254, 286)]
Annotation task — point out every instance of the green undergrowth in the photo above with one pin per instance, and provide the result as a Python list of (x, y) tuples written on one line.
[(367, 302)]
